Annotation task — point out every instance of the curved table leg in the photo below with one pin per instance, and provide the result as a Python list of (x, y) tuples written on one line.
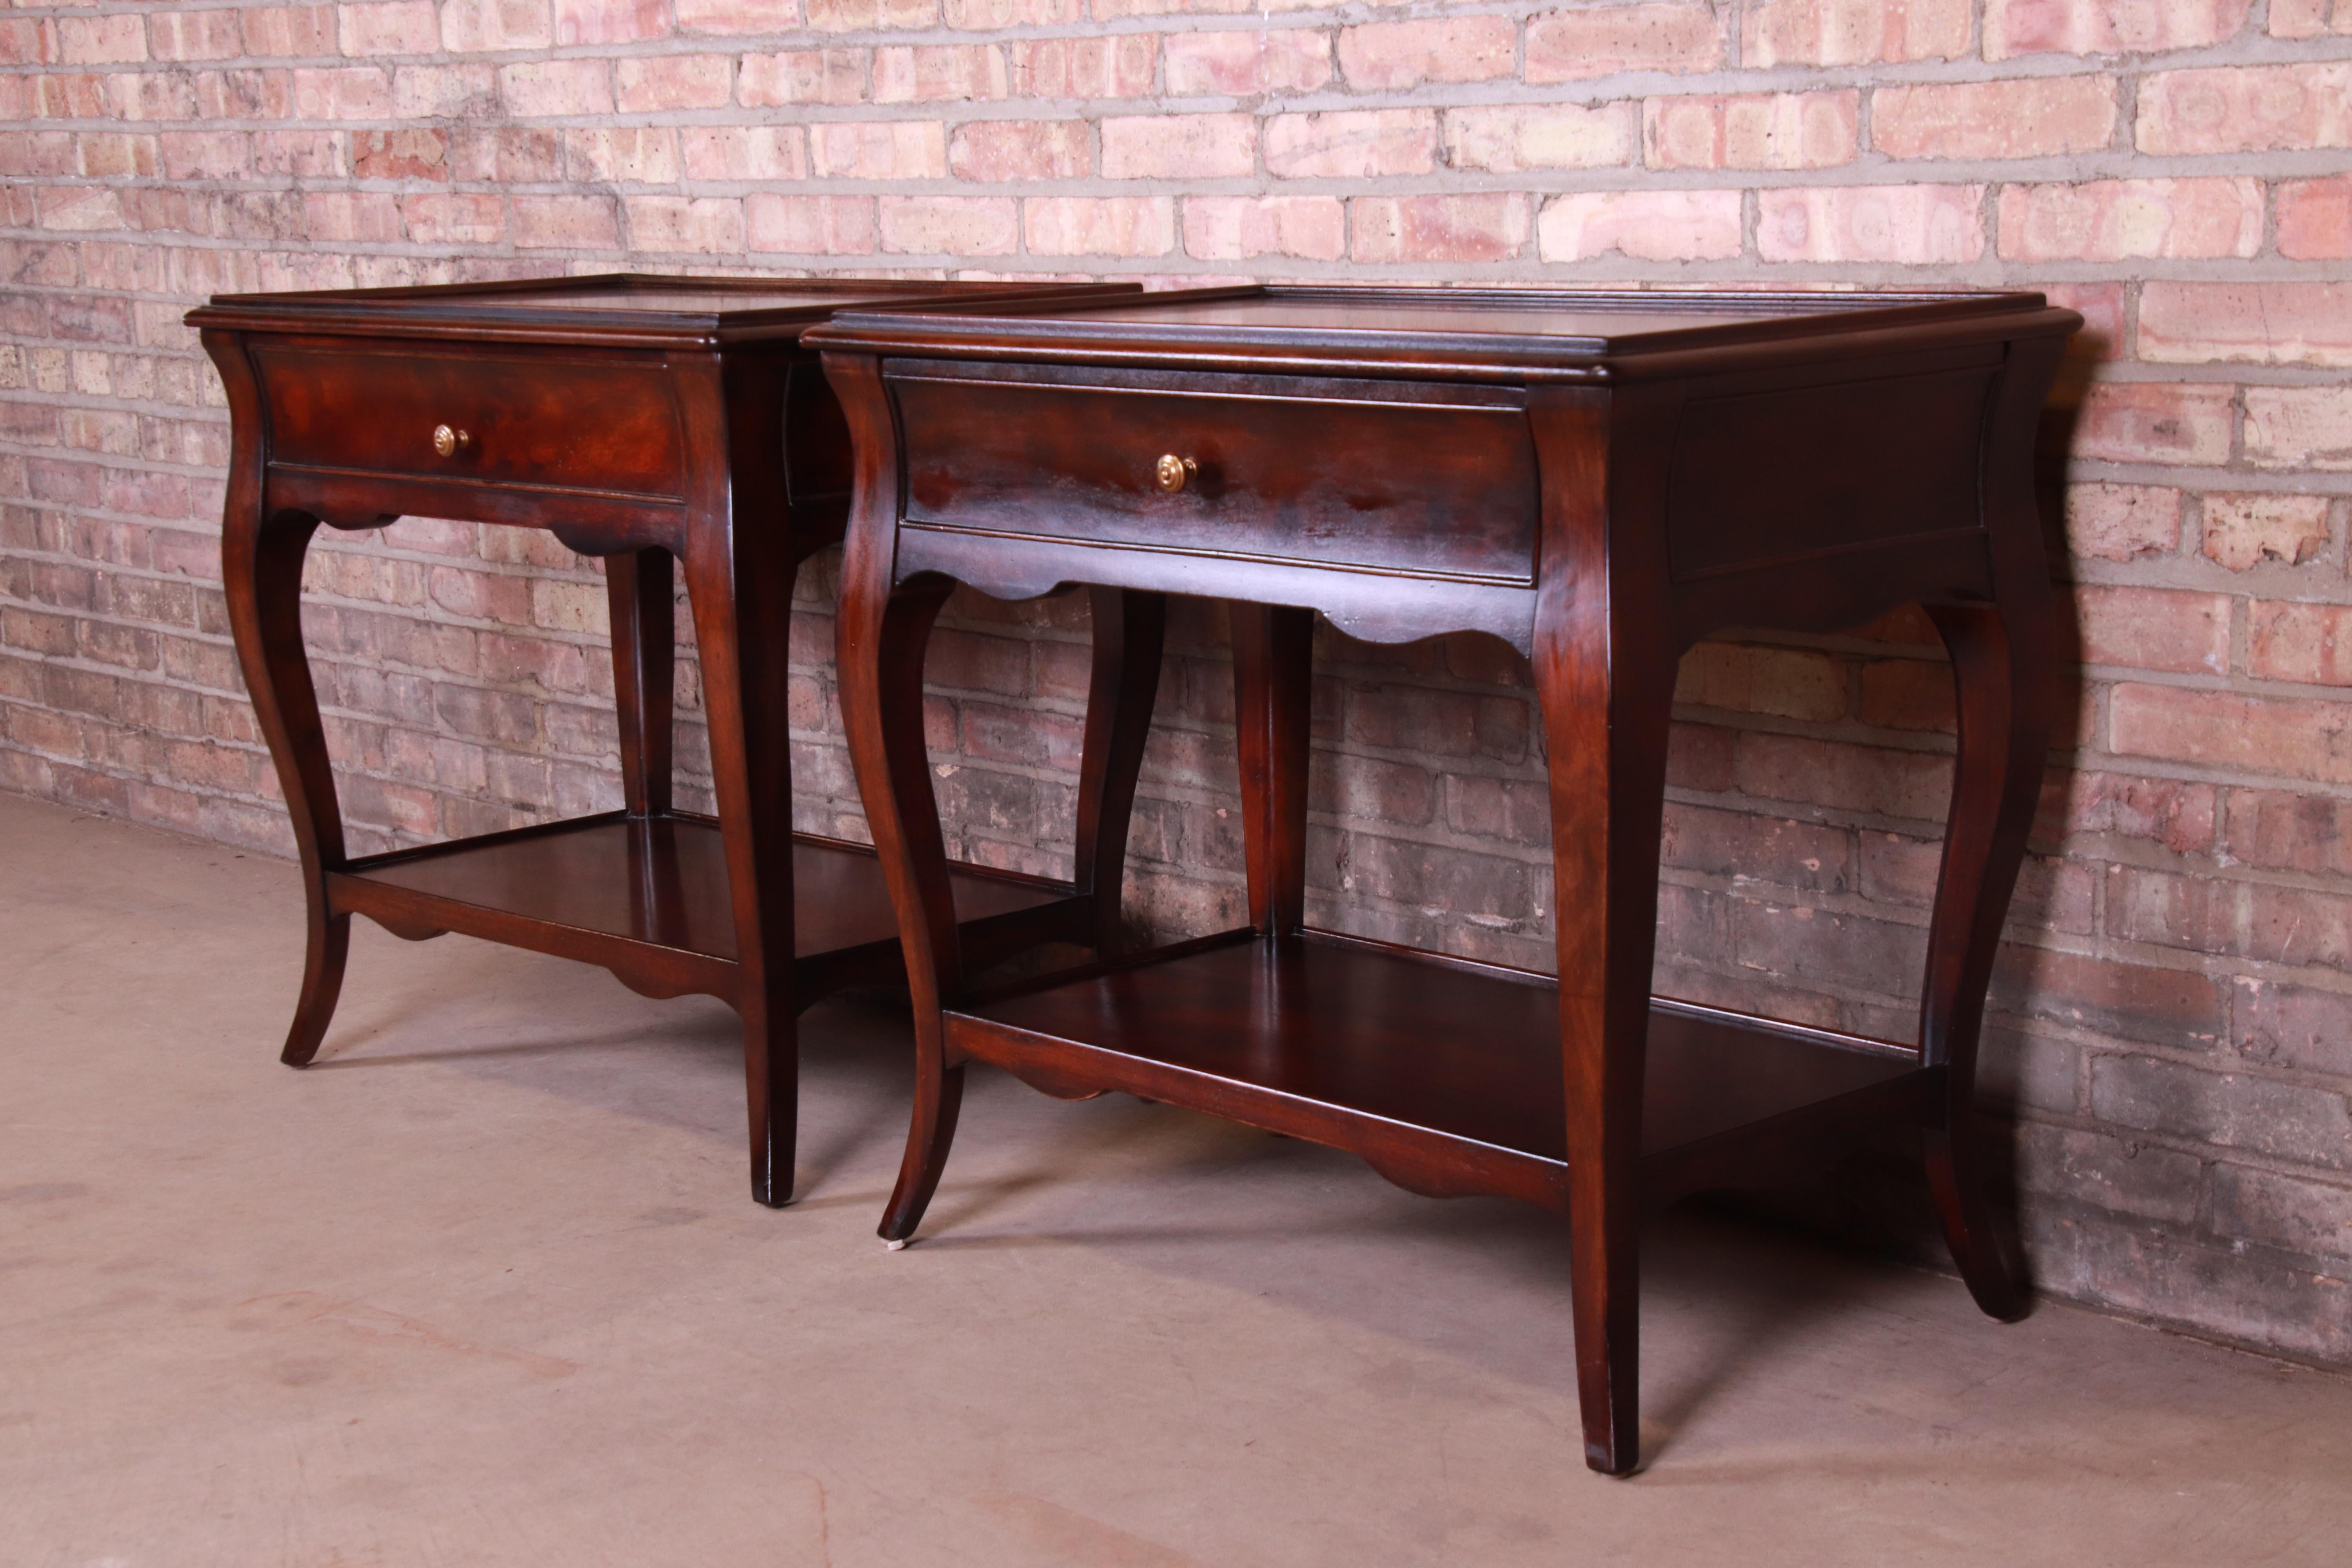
[(1129, 629), (2000, 669), (261, 572), (884, 634)]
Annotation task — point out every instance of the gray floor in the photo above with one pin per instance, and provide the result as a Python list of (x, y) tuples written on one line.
[(485, 1287)]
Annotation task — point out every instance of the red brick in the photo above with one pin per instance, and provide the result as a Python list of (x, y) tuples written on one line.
[(2169, 1007), (1650, 225), (955, 73), (2037, 117), (802, 76), (955, 226), (2269, 323), (1790, 683), (566, 86), (2314, 219), (1911, 225), (738, 16), (480, 26), (2310, 18), (2175, 813), (629, 155), (2246, 108), (1854, 32), (400, 155), (684, 224), (1239, 64), (1485, 227), (656, 82), (879, 150), (2220, 728), (2122, 523), (1738, 843), (549, 222), (990, 16), (205, 154), (866, 15), (1179, 146), (1020, 150), (1514, 138), (1351, 144), (2154, 628), (2014, 27), (2154, 422), (1915, 784), (1241, 228), (369, 216), (1397, 55), (194, 36), (1751, 131), (101, 40), (2281, 830), (2115, 220), (580, 22), (2299, 427), (2242, 532), (1089, 226), (390, 27), (1119, 66), (822, 225), (2308, 643), (1568, 46), (1908, 694)]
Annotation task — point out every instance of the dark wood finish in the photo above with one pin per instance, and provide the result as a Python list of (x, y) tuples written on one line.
[(1601, 480), (660, 422)]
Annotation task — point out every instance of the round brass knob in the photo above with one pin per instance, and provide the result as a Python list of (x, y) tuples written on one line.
[(449, 442), (1172, 473)]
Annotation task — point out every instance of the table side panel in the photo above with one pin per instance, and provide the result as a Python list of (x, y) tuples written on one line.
[(1442, 486), (1765, 476)]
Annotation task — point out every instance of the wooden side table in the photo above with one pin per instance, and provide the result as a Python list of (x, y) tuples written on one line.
[(1598, 479), (650, 421)]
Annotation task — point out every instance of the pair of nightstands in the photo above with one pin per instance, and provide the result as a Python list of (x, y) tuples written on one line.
[(1600, 480)]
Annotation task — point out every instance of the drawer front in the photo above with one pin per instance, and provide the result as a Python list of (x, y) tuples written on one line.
[(1430, 480), (557, 419)]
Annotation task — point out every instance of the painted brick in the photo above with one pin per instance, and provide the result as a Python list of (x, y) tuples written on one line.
[(1393, 54), (2013, 27), (1652, 225), (1751, 131), (1569, 45), (1913, 224), (1514, 138), (2122, 523), (1242, 228), (1179, 146), (2039, 116), (1350, 143), (2299, 427), (992, 150), (2242, 532), (1475, 227), (2245, 109), (1242, 64), (1087, 226), (1854, 32), (2115, 220)]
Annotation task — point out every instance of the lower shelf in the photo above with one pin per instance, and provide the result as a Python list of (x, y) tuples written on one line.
[(1447, 1076), (651, 894)]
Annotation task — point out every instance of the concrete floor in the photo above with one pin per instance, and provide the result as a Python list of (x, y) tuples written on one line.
[(485, 1287)]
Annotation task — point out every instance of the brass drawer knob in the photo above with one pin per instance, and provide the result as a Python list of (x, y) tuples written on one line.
[(1172, 473), (449, 442)]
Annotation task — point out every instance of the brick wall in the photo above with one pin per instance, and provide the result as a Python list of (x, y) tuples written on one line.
[(2172, 1029)]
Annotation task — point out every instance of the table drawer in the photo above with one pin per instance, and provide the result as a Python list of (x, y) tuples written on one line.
[(1436, 480), (564, 420)]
